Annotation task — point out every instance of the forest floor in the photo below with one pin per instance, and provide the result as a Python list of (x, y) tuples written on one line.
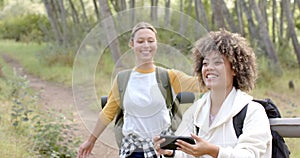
[(60, 97)]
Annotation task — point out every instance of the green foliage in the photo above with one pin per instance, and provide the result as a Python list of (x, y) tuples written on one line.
[(267, 73), (286, 54), (60, 141), (175, 40), (33, 56), (123, 40), (13, 145), (21, 99), (49, 134), (24, 28), (56, 55), (11, 135)]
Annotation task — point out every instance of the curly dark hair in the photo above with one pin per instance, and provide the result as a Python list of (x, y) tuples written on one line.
[(236, 49)]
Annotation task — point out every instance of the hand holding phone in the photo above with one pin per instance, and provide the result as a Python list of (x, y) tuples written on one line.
[(171, 140)]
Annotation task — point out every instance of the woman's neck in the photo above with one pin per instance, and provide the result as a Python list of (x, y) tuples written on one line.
[(145, 66), (217, 98)]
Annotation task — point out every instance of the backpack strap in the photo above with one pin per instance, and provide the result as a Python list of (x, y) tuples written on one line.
[(197, 129), (164, 85), (172, 104), (238, 121), (122, 81)]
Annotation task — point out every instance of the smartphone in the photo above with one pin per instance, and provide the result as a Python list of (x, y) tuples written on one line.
[(170, 141)]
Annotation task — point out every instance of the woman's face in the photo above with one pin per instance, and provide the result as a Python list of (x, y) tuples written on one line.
[(217, 72), (144, 45)]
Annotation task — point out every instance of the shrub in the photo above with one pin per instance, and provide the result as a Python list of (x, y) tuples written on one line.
[(56, 55), (51, 132), (53, 136), (24, 28)]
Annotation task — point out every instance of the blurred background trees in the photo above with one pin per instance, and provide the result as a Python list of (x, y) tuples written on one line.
[(272, 26)]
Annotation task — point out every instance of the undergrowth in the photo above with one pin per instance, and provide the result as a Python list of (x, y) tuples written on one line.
[(31, 131)]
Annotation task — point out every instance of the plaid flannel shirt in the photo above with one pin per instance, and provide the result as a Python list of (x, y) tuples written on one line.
[(132, 142)]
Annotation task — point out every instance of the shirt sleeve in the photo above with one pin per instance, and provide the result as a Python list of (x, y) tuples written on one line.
[(112, 106), (181, 82)]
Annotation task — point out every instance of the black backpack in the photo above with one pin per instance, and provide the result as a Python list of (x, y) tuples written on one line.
[(279, 147)]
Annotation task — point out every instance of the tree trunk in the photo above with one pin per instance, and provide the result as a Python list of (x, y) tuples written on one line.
[(154, 16), (197, 11), (298, 3), (218, 19), (53, 21), (96, 10), (203, 20), (263, 10), (116, 5), (111, 33), (85, 18), (226, 15), (190, 7), (167, 13), (123, 5), (291, 28), (274, 20), (269, 47), (281, 20), (132, 6), (293, 9), (64, 23), (55, 10), (238, 7), (181, 19), (119, 5), (74, 13), (251, 25)]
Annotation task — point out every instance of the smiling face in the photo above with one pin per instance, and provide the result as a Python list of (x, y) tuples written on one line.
[(217, 73), (144, 45), (235, 50)]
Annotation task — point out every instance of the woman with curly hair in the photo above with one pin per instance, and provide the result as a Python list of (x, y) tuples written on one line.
[(225, 64)]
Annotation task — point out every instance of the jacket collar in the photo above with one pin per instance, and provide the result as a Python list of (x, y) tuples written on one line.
[(233, 103)]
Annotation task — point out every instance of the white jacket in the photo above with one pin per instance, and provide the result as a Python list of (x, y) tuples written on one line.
[(256, 140)]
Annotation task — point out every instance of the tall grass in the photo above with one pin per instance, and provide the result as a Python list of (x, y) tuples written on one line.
[(11, 144), (25, 129), (30, 56)]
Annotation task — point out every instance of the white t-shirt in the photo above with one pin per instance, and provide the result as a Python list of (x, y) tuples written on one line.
[(145, 111)]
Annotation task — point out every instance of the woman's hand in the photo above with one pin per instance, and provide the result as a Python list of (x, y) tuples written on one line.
[(85, 149), (201, 147), (157, 141)]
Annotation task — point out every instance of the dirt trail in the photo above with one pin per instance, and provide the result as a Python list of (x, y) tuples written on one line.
[(60, 98)]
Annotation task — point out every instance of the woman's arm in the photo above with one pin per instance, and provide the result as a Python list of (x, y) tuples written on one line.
[(86, 148), (181, 82), (105, 117)]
